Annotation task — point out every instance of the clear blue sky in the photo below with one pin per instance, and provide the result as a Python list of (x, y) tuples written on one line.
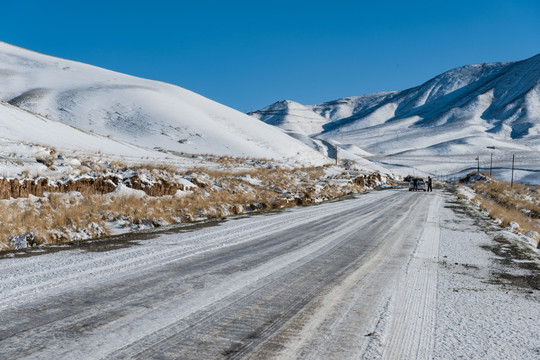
[(249, 54)]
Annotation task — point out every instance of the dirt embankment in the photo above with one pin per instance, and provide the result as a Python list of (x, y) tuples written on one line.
[(370, 181), (512, 205), (15, 188)]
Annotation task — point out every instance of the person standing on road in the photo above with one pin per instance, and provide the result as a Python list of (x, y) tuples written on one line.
[(429, 188), (415, 183)]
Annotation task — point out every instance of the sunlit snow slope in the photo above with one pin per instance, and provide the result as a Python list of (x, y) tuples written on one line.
[(461, 111), (126, 109)]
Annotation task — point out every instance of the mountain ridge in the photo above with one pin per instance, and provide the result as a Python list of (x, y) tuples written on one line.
[(501, 98)]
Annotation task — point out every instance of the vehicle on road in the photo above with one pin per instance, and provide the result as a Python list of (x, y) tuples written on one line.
[(420, 184)]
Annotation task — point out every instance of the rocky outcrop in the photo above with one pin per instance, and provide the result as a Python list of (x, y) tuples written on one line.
[(370, 181), (23, 241), (15, 188), (89, 185), (160, 188)]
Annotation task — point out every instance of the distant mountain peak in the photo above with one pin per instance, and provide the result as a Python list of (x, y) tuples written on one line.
[(498, 101)]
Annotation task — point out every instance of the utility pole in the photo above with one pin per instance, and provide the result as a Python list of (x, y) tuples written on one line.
[(512, 181), (478, 168), (491, 164), (335, 149)]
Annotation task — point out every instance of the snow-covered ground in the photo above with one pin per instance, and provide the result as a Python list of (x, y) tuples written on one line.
[(390, 274), (485, 309)]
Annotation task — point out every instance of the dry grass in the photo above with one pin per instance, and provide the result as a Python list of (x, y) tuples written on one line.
[(61, 217), (50, 216), (117, 165), (151, 167), (507, 215), (519, 203)]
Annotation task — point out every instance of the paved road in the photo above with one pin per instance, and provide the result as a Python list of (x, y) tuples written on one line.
[(310, 282)]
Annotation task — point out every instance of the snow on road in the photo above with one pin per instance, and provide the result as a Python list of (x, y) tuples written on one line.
[(389, 274)]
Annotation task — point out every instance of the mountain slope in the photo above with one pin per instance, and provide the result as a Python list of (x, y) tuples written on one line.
[(495, 103), (141, 112)]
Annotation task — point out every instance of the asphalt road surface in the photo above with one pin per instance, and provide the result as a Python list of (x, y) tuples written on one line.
[(309, 282)]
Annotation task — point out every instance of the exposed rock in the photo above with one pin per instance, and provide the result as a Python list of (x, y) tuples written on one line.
[(22, 241), (160, 188), (15, 188)]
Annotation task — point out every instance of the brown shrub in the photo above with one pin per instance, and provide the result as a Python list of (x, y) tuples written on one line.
[(218, 193), (519, 203)]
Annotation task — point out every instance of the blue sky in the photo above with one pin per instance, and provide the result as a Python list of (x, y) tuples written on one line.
[(249, 54)]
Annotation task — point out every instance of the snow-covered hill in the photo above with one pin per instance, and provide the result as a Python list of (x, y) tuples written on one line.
[(78, 105), (460, 112), (499, 101)]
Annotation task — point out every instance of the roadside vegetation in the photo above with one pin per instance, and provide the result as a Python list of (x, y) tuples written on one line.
[(124, 198), (516, 206)]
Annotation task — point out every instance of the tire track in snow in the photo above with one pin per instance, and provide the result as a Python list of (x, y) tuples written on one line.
[(298, 291), (18, 283), (258, 292), (75, 322), (336, 326), (409, 334), (241, 289)]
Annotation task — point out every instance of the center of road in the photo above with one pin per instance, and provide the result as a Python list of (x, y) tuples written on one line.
[(310, 280)]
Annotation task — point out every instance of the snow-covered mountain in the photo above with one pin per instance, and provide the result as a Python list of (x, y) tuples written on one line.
[(461, 111), (56, 102)]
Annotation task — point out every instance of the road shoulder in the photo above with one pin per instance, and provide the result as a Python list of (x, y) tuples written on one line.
[(469, 291), (478, 315)]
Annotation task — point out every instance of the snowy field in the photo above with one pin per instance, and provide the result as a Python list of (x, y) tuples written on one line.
[(388, 274)]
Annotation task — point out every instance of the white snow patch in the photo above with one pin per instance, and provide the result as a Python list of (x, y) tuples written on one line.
[(123, 190)]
